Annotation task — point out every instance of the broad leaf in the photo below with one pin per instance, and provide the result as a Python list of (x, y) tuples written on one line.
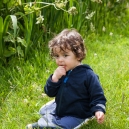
[(14, 21)]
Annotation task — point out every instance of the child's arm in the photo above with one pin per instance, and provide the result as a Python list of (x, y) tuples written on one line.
[(53, 83), (97, 98)]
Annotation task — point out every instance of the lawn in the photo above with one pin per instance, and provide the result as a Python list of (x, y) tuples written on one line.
[(21, 83)]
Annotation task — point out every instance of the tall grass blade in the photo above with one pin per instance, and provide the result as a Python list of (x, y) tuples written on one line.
[(27, 29), (70, 17), (28, 34), (6, 24), (1, 33)]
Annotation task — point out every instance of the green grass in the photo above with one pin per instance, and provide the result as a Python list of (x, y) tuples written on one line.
[(21, 84)]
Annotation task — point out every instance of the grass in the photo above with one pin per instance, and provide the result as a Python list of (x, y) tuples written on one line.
[(22, 84)]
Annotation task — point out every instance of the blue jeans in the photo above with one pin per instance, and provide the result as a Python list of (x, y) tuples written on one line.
[(50, 120)]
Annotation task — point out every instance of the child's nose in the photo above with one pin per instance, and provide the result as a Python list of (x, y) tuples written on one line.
[(60, 59)]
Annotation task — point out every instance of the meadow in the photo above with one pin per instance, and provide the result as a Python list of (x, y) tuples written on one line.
[(25, 63), (22, 83)]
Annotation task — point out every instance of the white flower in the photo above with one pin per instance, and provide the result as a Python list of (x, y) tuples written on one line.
[(92, 28), (111, 34), (103, 29), (40, 19), (73, 10), (98, 1), (128, 119), (48, 71), (26, 101), (95, 54), (90, 15)]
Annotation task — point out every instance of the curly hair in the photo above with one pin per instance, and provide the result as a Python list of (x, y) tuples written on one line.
[(69, 39)]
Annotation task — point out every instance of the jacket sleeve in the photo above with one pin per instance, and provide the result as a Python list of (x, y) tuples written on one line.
[(51, 88), (97, 98)]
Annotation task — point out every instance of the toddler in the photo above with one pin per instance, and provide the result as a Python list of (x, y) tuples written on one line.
[(76, 88)]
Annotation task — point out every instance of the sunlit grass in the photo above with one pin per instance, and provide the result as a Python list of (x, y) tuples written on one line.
[(23, 84)]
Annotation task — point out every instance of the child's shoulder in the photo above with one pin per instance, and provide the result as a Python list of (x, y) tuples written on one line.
[(88, 70), (86, 67)]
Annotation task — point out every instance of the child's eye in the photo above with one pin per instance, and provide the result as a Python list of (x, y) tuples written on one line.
[(65, 55), (56, 56)]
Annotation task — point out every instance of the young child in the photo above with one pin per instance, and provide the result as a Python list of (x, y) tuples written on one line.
[(76, 88)]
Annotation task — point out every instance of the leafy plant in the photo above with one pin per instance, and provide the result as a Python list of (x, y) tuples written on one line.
[(35, 26), (7, 51)]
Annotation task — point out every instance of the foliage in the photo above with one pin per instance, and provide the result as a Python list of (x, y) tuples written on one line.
[(7, 50), (26, 36), (35, 26), (24, 33)]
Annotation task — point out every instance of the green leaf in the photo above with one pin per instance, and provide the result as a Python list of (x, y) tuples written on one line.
[(9, 38), (22, 41), (24, 18), (20, 51), (11, 51), (14, 21), (6, 24), (5, 1), (1, 24)]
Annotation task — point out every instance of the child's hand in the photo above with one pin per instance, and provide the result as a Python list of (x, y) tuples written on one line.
[(99, 116), (58, 73)]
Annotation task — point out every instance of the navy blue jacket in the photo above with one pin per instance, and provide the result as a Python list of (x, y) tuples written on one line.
[(77, 94)]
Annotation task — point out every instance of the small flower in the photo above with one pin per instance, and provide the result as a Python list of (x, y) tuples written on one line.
[(98, 1), (95, 54), (60, 4), (92, 28), (18, 68), (128, 119), (40, 19), (103, 29), (48, 71), (9, 82), (111, 34), (73, 10), (118, 1), (44, 95), (26, 101), (90, 15)]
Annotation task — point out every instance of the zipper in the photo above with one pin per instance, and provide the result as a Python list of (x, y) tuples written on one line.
[(65, 80)]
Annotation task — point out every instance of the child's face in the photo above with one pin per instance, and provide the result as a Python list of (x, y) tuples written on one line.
[(66, 59)]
